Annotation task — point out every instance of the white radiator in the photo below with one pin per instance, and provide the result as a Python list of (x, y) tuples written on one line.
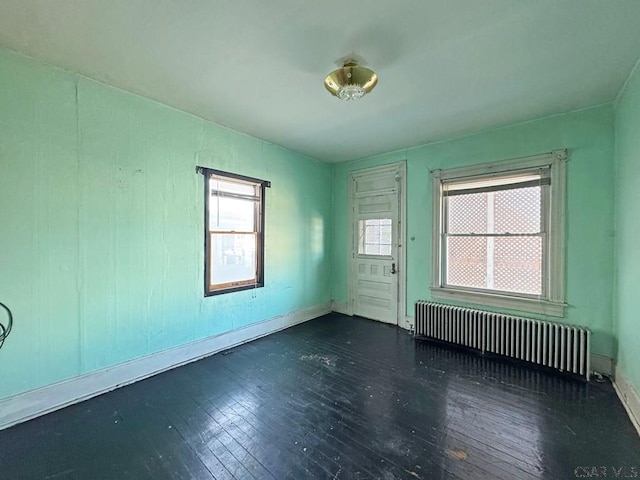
[(562, 347)]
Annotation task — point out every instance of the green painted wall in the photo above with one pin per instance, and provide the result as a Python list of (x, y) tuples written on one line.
[(101, 211), (589, 137), (101, 238), (627, 281)]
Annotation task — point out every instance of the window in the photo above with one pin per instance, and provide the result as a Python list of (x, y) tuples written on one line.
[(374, 236), (498, 234), (234, 232)]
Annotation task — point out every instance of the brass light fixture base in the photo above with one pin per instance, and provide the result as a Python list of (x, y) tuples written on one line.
[(351, 82)]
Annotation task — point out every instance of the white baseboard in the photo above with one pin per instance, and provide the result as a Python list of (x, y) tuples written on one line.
[(340, 307), (602, 364), (629, 397), (28, 405), (343, 307)]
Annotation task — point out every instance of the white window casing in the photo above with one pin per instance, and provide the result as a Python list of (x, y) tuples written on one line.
[(551, 301)]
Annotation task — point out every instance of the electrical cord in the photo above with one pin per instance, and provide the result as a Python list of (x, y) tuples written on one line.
[(5, 330)]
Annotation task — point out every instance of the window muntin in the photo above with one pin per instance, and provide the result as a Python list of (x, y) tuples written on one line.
[(525, 258), (234, 232)]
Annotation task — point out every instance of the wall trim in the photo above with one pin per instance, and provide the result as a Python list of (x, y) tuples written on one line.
[(33, 403), (629, 397), (409, 323), (602, 364), (405, 322), (340, 307)]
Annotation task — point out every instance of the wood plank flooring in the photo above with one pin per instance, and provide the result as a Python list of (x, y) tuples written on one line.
[(335, 398)]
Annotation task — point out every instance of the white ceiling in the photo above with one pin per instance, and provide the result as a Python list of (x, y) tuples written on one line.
[(445, 67)]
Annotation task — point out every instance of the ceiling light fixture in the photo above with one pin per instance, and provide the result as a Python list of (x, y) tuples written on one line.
[(351, 82)]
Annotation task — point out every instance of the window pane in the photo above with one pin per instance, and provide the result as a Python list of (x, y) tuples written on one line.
[(467, 262), (228, 186), (372, 234), (518, 264), (385, 234), (517, 210), (467, 213), (504, 211), (372, 249), (375, 236), (233, 258), (231, 214)]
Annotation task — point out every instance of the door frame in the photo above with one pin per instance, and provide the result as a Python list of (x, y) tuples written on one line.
[(400, 167)]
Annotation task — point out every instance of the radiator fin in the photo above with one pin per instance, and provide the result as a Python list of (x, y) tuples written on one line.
[(562, 347)]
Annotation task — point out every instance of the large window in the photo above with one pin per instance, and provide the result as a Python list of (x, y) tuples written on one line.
[(498, 234), (234, 232)]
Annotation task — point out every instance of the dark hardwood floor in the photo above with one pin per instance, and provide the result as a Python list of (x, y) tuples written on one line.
[(337, 397)]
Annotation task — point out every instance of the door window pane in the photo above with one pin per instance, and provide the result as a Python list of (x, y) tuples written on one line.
[(375, 236)]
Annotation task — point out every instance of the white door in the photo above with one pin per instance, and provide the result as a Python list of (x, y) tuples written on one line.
[(375, 237)]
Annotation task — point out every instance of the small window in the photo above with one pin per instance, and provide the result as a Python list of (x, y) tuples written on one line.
[(498, 234), (234, 233), (374, 236)]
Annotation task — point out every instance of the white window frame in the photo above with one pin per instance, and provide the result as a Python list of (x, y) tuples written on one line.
[(552, 302)]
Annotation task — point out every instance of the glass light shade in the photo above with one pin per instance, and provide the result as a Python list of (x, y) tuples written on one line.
[(351, 92)]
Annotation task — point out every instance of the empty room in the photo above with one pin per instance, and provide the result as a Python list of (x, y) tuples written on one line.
[(304, 240)]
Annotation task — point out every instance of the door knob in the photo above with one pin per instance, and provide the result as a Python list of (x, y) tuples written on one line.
[(393, 269)]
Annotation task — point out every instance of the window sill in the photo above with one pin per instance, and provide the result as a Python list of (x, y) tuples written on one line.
[(238, 288), (543, 307)]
